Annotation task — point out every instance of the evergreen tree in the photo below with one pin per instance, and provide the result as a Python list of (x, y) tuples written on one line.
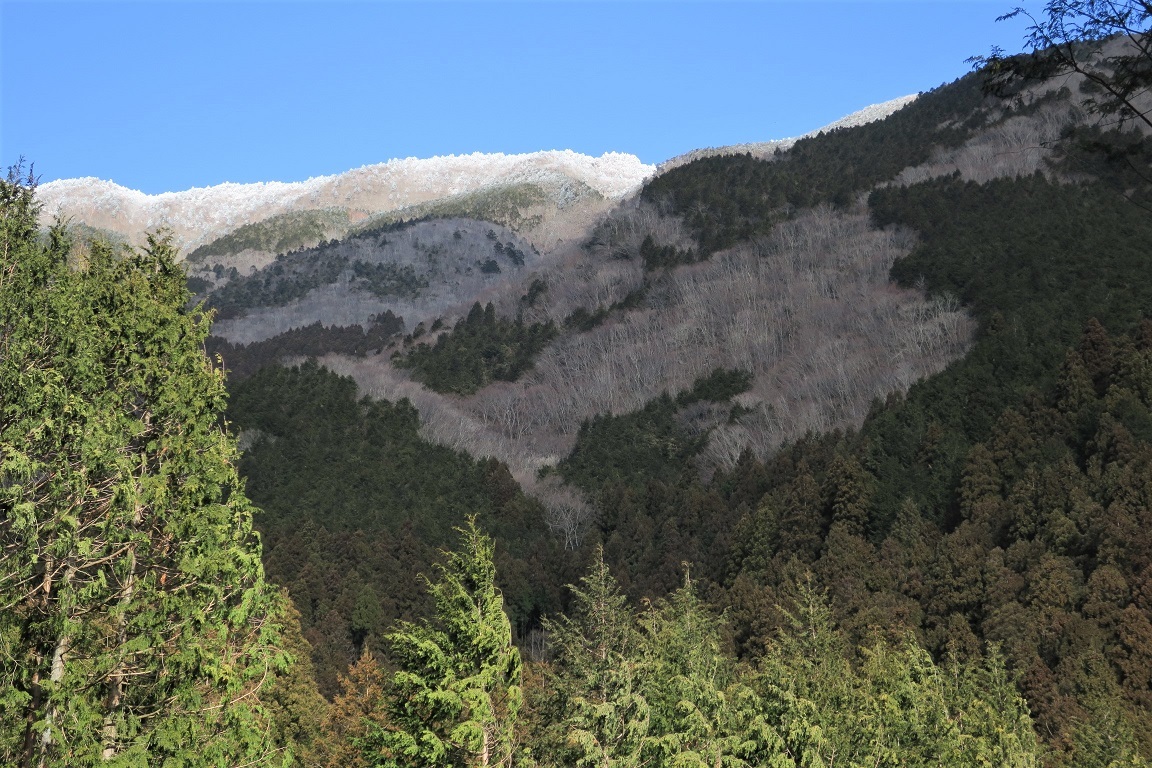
[(293, 702), (595, 678), (895, 707), (135, 624), (357, 709), (456, 696), (702, 714)]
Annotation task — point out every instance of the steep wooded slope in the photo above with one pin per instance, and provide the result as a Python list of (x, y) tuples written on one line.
[(989, 503), (633, 327), (416, 270)]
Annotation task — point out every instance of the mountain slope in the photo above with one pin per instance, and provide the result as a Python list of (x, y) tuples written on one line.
[(416, 270), (993, 496), (847, 434)]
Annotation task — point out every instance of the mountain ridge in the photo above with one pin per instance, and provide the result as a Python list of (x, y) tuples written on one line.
[(201, 214), (763, 149)]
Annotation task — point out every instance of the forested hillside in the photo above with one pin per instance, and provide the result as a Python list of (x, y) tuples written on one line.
[(972, 482), (366, 506), (841, 456)]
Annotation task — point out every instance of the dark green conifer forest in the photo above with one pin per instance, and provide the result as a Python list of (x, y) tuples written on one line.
[(480, 349)]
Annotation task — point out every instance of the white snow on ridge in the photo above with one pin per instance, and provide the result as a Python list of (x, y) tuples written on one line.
[(203, 213), (613, 174), (869, 114)]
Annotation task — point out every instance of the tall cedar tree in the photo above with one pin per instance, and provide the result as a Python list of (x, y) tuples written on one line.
[(456, 696), (135, 624), (702, 713), (594, 683)]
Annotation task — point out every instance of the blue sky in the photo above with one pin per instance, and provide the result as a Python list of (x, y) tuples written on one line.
[(164, 96)]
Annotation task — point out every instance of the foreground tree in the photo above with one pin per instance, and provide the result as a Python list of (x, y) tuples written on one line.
[(599, 713), (135, 624), (457, 694), (1105, 41), (702, 713)]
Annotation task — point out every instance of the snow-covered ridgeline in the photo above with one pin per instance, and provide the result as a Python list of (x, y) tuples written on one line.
[(201, 214)]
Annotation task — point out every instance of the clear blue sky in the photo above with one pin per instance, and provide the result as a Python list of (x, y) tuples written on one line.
[(163, 96)]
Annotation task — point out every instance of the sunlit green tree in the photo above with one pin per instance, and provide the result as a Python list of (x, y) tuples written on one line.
[(135, 624), (702, 713), (457, 693), (596, 675)]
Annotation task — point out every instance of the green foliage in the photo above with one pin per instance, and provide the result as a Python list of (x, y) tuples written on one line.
[(135, 622), (716, 387), (480, 348), (659, 689), (322, 454), (1035, 261), (198, 285), (535, 291), (80, 232), (658, 257), (597, 715), (290, 697), (276, 234), (1019, 247), (650, 690), (1119, 159), (294, 275), (632, 449), (702, 714), (275, 286), (456, 694), (650, 445), (1046, 557), (896, 707), (581, 319), (388, 279)]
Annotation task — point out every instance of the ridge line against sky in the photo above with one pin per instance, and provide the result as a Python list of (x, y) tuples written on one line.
[(167, 96)]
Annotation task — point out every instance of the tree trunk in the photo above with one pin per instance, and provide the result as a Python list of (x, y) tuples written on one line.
[(57, 674), (36, 747), (116, 677)]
